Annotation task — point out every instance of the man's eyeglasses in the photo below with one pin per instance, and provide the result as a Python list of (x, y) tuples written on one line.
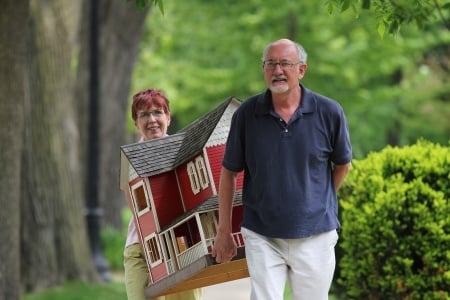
[(270, 65), (145, 115)]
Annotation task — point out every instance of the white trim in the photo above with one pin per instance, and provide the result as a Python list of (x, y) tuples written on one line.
[(148, 251), (151, 200), (202, 172), (193, 177), (210, 174), (134, 187)]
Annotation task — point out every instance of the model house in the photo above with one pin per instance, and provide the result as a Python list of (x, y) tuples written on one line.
[(173, 182)]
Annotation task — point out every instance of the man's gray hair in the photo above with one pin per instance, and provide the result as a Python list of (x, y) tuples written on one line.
[(302, 55)]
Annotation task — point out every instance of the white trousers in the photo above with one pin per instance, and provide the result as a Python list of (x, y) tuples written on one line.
[(308, 264)]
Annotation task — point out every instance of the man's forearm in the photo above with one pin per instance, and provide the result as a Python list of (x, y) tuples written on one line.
[(227, 189), (339, 174)]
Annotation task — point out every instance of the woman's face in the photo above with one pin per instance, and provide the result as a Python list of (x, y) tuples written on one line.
[(152, 122)]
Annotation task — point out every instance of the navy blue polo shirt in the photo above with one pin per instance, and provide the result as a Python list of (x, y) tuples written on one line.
[(288, 186)]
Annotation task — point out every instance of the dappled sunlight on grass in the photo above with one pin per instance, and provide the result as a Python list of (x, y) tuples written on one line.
[(82, 291)]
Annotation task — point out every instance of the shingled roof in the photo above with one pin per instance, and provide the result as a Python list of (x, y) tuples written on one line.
[(164, 154)]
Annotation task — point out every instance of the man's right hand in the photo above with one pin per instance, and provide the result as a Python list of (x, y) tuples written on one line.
[(224, 248)]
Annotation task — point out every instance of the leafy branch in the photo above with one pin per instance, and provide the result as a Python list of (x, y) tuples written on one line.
[(392, 14), (142, 4)]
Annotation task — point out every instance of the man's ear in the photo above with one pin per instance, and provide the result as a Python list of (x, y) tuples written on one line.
[(302, 70)]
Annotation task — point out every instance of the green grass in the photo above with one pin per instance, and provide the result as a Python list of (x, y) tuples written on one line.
[(105, 291), (82, 291)]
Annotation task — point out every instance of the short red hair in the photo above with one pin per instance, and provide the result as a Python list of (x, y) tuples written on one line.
[(147, 98)]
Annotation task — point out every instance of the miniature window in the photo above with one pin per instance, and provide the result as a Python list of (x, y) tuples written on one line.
[(202, 173), (209, 224), (140, 199), (193, 178), (153, 250), (182, 244)]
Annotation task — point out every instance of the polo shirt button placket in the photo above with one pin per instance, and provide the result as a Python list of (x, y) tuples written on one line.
[(284, 125)]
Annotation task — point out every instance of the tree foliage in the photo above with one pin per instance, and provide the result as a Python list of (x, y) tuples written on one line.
[(391, 15), (389, 87), (142, 4)]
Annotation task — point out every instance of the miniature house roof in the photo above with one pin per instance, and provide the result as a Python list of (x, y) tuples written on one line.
[(164, 154)]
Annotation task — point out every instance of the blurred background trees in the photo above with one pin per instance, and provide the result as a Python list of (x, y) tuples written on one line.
[(394, 88), (390, 87)]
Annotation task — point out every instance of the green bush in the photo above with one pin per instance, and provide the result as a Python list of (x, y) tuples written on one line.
[(395, 213), (113, 242)]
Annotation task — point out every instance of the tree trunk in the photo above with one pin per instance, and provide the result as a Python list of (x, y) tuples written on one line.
[(121, 28), (13, 21), (54, 241), (40, 139)]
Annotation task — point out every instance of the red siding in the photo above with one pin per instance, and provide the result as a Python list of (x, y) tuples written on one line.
[(237, 218), (240, 181), (215, 156), (190, 200), (158, 272), (165, 193), (146, 223)]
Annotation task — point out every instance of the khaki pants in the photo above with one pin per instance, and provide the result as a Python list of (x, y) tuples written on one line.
[(136, 278)]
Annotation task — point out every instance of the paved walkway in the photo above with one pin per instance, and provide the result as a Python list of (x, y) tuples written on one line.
[(231, 290)]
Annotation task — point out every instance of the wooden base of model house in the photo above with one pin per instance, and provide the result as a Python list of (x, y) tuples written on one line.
[(203, 272)]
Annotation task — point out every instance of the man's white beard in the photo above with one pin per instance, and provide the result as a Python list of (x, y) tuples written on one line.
[(278, 88)]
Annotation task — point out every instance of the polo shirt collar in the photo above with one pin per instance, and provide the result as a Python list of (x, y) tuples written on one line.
[(307, 106)]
